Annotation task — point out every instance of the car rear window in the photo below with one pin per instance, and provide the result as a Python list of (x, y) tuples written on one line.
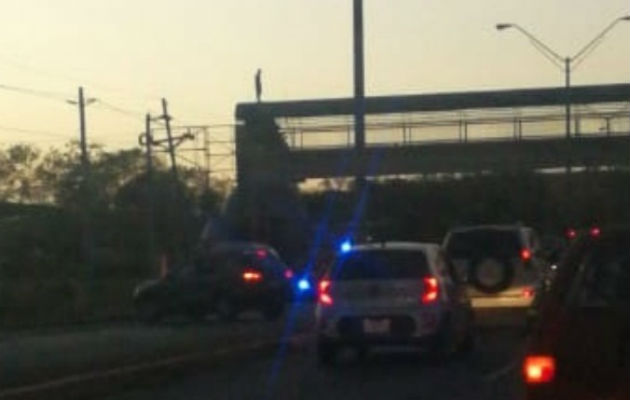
[(265, 259), (382, 264), (487, 241)]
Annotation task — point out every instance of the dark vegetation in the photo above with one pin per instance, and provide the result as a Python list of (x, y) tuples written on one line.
[(44, 276)]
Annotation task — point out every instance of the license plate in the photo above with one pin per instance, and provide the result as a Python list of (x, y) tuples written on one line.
[(376, 326)]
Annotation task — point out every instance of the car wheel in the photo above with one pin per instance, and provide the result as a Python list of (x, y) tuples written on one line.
[(148, 311), (226, 309), (491, 275), (326, 352)]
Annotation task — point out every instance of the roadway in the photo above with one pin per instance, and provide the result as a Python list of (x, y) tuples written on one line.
[(490, 372)]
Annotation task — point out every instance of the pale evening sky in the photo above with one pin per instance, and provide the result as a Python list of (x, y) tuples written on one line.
[(202, 55)]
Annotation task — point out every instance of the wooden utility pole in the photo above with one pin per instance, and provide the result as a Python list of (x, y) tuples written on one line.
[(148, 138), (206, 153), (85, 189), (84, 150), (169, 134)]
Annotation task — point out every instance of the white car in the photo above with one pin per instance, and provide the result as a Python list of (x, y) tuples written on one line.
[(388, 294)]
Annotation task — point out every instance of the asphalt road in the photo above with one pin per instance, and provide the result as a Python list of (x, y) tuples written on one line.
[(490, 372)]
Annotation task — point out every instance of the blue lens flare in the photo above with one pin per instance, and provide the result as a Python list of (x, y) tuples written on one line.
[(304, 284), (346, 246)]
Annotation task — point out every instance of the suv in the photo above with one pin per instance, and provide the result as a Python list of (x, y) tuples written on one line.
[(579, 345), (227, 278), (500, 262), (394, 293)]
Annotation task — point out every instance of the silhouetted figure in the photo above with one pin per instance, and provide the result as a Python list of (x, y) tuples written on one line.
[(258, 84)]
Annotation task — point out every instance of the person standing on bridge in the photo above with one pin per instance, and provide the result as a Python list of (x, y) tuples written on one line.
[(258, 84)]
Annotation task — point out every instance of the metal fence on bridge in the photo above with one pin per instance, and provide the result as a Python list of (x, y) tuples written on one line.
[(523, 123)]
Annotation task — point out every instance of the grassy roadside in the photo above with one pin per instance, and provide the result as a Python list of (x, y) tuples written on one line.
[(28, 359)]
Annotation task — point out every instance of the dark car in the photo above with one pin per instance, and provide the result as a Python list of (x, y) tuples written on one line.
[(498, 262), (227, 279), (579, 344)]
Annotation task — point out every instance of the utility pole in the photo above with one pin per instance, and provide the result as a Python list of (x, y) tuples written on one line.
[(206, 151), (359, 89), (176, 195), (148, 138), (86, 188), (84, 151), (567, 113), (567, 84), (169, 134)]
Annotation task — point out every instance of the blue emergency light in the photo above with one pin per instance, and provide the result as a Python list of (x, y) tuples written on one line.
[(345, 246), (304, 284)]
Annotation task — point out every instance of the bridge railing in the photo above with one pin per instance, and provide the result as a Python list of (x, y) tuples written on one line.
[(609, 119)]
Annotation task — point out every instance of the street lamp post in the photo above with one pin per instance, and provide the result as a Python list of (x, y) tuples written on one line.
[(359, 89), (568, 62)]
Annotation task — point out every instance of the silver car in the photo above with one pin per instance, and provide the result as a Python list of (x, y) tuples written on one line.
[(393, 293)]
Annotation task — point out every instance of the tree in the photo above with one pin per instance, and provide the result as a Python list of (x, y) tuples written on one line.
[(17, 180)]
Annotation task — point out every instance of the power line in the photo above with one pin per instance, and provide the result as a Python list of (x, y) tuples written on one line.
[(186, 159), (129, 113), (136, 115), (34, 132), (23, 66), (64, 97), (35, 92)]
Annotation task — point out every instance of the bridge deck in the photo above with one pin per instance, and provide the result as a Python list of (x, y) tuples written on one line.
[(442, 157)]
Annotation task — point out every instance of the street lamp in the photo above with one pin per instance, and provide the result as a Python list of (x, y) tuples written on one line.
[(569, 62)]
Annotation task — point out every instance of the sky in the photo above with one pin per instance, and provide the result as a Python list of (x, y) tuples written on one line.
[(202, 55)]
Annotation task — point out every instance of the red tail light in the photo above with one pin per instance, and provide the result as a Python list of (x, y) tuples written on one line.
[(571, 233), (288, 273), (323, 295), (528, 292), (430, 289), (261, 254), (539, 369), (252, 276), (595, 231), (526, 254)]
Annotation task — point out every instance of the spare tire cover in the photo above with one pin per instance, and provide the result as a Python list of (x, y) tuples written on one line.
[(491, 274)]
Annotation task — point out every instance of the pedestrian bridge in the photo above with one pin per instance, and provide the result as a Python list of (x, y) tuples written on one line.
[(437, 133)]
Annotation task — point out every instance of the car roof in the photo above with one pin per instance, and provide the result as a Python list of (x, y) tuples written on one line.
[(497, 227), (403, 246), (237, 246)]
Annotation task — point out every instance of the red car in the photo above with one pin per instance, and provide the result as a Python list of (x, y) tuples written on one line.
[(579, 345)]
